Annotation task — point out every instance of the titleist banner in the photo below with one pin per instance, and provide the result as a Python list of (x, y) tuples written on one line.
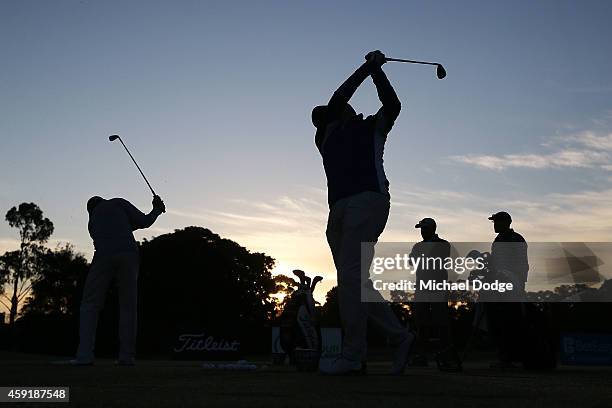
[(203, 345)]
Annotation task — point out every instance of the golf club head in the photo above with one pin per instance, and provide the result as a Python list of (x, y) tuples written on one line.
[(440, 71), (112, 138), (300, 274), (316, 280)]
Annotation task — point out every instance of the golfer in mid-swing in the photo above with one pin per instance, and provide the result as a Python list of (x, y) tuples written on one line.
[(111, 223), (358, 194)]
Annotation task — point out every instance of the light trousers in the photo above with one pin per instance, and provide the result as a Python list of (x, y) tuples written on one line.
[(122, 267), (354, 220)]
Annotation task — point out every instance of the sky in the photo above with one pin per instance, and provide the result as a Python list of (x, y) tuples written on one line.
[(214, 100)]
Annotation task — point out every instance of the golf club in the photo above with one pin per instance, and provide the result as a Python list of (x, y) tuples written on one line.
[(316, 280), (300, 274), (440, 71), (112, 138)]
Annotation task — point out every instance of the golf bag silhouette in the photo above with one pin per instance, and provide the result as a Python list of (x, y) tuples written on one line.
[(539, 339), (299, 325)]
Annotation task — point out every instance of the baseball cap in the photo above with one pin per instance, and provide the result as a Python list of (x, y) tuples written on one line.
[(502, 215), (426, 222)]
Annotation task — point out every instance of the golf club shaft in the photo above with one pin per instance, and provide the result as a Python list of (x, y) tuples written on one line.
[(137, 166), (411, 61)]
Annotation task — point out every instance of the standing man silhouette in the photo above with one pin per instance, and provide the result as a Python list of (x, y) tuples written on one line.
[(111, 223), (431, 312), (506, 318), (358, 195)]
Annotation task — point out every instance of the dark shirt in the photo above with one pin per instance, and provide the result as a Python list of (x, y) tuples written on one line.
[(352, 149), (434, 248), (509, 257), (111, 224)]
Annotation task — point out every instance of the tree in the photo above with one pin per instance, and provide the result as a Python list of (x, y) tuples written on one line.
[(192, 279), (284, 288), (58, 283), (9, 263), (34, 231), (330, 311)]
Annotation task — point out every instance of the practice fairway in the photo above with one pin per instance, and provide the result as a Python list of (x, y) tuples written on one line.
[(182, 384)]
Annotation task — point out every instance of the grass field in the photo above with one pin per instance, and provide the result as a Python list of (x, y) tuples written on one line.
[(156, 383)]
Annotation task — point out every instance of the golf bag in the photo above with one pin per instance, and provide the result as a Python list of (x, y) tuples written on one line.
[(299, 323), (535, 339), (542, 339)]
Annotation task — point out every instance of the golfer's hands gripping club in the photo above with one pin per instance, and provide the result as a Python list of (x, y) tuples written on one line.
[(158, 204), (375, 60)]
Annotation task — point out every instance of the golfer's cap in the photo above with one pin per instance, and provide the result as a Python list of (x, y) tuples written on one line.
[(502, 216), (426, 222), (93, 202)]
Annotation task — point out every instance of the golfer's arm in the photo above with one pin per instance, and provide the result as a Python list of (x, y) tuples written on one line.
[(413, 254), (390, 102), (525, 260), (445, 251), (138, 219), (344, 93)]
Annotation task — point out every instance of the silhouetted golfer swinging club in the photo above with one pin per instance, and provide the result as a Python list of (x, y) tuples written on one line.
[(352, 147), (440, 71), (116, 259), (112, 138)]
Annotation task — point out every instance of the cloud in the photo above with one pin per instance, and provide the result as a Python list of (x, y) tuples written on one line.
[(462, 216), (584, 150), (578, 216), (289, 228), (282, 215), (7, 244), (591, 140), (560, 159)]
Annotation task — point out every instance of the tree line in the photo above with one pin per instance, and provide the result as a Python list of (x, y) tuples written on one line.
[(190, 279)]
